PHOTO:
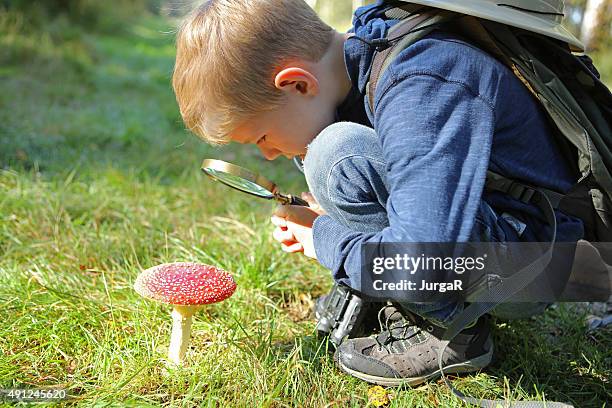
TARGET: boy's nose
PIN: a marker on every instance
(269, 154)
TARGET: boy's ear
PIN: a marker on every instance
(297, 80)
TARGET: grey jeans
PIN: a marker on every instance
(345, 171)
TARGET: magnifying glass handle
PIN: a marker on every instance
(288, 199)
(293, 200)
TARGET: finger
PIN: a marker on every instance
(308, 196)
(297, 247)
(290, 211)
(310, 199)
(279, 222)
(281, 211)
(283, 236)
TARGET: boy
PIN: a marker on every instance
(410, 168)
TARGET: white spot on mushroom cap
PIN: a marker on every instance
(185, 283)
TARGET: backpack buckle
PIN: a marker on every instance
(380, 44)
(521, 192)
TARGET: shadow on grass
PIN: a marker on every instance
(553, 353)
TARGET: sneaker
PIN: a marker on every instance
(406, 350)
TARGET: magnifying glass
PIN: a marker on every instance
(248, 182)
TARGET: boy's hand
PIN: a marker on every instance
(294, 229)
(313, 203)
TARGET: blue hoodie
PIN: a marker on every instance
(445, 112)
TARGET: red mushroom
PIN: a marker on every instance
(187, 287)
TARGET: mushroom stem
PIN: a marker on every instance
(181, 332)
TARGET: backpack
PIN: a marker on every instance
(568, 87)
(578, 105)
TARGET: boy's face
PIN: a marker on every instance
(288, 130)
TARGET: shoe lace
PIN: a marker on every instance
(393, 330)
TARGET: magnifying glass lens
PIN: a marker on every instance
(246, 181)
(239, 183)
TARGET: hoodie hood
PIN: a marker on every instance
(369, 23)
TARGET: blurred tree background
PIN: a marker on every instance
(85, 13)
(591, 20)
(65, 46)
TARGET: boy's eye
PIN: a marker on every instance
(263, 138)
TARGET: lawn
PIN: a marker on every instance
(99, 180)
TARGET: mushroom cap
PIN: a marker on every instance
(185, 283)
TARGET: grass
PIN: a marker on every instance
(99, 180)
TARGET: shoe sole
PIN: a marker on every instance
(468, 366)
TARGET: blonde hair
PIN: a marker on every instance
(227, 52)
